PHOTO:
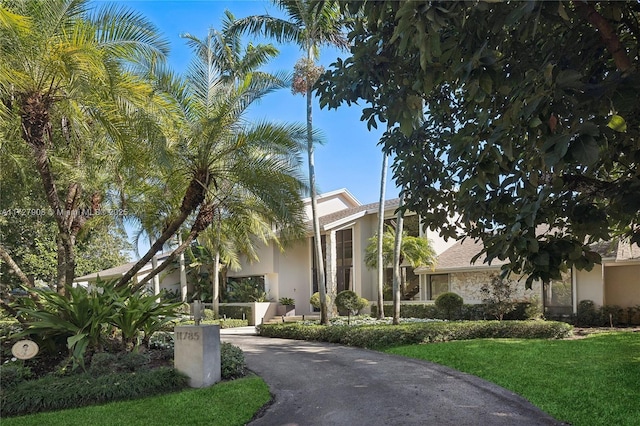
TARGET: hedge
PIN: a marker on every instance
(56, 393)
(381, 336)
(467, 312)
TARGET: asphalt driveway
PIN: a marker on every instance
(325, 384)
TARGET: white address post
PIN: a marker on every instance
(197, 353)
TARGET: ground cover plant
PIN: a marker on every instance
(225, 404)
(384, 335)
(591, 381)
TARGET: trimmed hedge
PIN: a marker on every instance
(467, 312)
(56, 393)
(381, 336)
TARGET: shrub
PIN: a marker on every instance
(498, 297)
(123, 362)
(236, 312)
(78, 390)
(449, 303)
(380, 336)
(315, 300)
(587, 314)
(12, 374)
(232, 363)
(349, 301)
(287, 301)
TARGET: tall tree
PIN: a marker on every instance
(224, 159)
(397, 248)
(379, 245)
(67, 80)
(532, 120)
(310, 25)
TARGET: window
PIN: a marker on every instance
(436, 285)
(344, 259)
(558, 296)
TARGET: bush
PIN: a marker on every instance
(235, 312)
(232, 362)
(350, 302)
(315, 300)
(12, 374)
(123, 362)
(78, 390)
(449, 303)
(498, 297)
(380, 336)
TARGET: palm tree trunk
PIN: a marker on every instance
(193, 197)
(322, 289)
(396, 262)
(216, 285)
(204, 219)
(383, 184)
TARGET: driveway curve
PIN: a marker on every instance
(325, 384)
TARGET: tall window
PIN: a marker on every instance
(558, 296)
(436, 285)
(344, 259)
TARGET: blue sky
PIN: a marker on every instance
(350, 158)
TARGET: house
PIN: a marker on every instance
(346, 226)
(615, 282)
(173, 279)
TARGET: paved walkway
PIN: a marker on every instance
(325, 384)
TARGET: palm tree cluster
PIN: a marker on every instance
(89, 102)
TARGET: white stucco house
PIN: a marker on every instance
(346, 226)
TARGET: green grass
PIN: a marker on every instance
(592, 381)
(224, 404)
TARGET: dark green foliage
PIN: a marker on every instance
(523, 311)
(590, 315)
(232, 362)
(236, 312)
(449, 303)
(103, 363)
(350, 302)
(380, 336)
(498, 296)
(13, 374)
(532, 120)
(78, 390)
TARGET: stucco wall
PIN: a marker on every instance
(265, 265)
(294, 275)
(468, 284)
(589, 285)
(622, 285)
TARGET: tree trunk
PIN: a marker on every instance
(6, 257)
(396, 262)
(183, 273)
(383, 185)
(324, 311)
(204, 219)
(216, 285)
(192, 199)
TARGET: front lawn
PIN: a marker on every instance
(591, 381)
(225, 404)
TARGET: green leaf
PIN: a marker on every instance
(585, 150)
(617, 123)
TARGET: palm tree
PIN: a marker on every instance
(416, 251)
(223, 159)
(67, 75)
(309, 25)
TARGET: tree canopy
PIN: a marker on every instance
(518, 119)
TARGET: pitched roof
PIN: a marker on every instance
(119, 271)
(459, 255)
(354, 213)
